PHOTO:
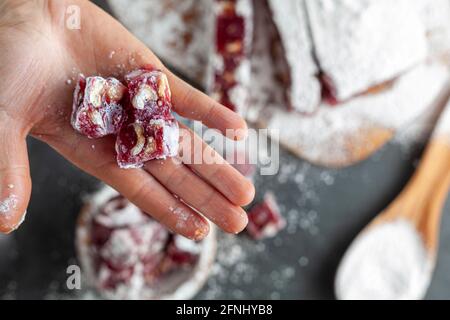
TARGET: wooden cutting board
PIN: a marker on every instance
(339, 136)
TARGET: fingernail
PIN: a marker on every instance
(22, 220)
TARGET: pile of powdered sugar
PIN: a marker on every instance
(388, 261)
(363, 43)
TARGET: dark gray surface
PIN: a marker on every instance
(34, 259)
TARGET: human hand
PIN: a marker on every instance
(39, 54)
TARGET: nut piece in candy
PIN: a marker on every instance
(264, 219)
(151, 131)
(97, 109)
(144, 95)
(138, 143)
(150, 95)
(140, 114)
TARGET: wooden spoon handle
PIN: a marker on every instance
(422, 200)
(435, 176)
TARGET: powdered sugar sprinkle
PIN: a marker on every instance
(8, 204)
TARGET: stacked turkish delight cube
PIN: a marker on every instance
(130, 253)
(139, 113)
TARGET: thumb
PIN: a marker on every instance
(15, 181)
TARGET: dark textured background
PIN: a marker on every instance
(33, 260)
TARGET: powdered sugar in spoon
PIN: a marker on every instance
(394, 256)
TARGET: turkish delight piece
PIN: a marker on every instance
(97, 109)
(130, 249)
(230, 69)
(361, 44)
(125, 254)
(180, 253)
(151, 131)
(293, 44)
(265, 219)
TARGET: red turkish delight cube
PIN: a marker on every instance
(97, 109)
(151, 131)
(265, 219)
(138, 143)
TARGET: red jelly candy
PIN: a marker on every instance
(264, 219)
(123, 238)
(97, 109)
(151, 131)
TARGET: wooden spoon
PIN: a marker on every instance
(420, 204)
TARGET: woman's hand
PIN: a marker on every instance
(40, 58)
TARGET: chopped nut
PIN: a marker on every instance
(97, 86)
(151, 145)
(140, 139)
(234, 47)
(163, 86)
(144, 95)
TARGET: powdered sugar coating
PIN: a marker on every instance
(116, 215)
(151, 131)
(363, 43)
(291, 20)
(97, 109)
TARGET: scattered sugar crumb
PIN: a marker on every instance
(8, 204)
(303, 261)
(10, 292)
(231, 267)
(10, 186)
(111, 54)
(327, 178)
(275, 295)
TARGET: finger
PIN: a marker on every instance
(97, 157)
(194, 104)
(209, 165)
(15, 181)
(180, 180)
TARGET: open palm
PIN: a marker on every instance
(40, 58)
